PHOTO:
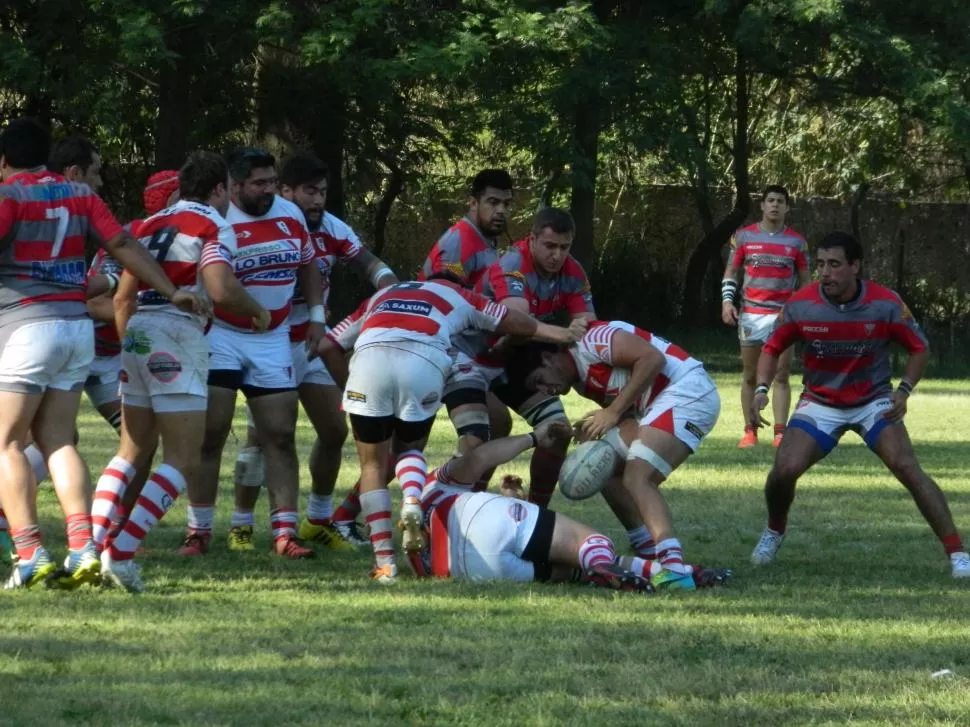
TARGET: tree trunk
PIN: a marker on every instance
(395, 185)
(582, 204)
(858, 197)
(329, 135)
(707, 253)
(175, 103)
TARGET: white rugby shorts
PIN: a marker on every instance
(165, 363)
(487, 535)
(688, 408)
(393, 380)
(754, 328)
(465, 373)
(47, 354)
(309, 372)
(102, 385)
(265, 359)
(827, 424)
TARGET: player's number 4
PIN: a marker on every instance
(63, 218)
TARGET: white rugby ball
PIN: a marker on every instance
(587, 469)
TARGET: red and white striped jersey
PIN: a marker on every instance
(438, 499)
(266, 254)
(429, 313)
(601, 381)
(184, 238)
(334, 242)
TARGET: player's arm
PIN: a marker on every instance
(803, 265)
(730, 284)
(470, 467)
(335, 359)
(516, 323)
(101, 308)
(784, 335)
(904, 330)
(372, 268)
(311, 283)
(579, 297)
(644, 361)
(125, 302)
(229, 294)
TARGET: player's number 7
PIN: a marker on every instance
(63, 217)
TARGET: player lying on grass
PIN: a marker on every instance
(482, 536)
(847, 324)
(628, 372)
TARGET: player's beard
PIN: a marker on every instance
(314, 218)
(258, 206)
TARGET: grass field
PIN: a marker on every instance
(845, 628)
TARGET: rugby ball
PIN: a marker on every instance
(587, 469)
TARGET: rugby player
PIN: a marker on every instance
(47, 343)
(774, 260)
(303, 180)
(401, 338)
(166, 358)
(272, 251)
(847, 325)
(466, 250)
(481, 536)
(630, 372)
(539, 277)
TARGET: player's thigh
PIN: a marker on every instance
(139, 435)
(55, 421)
(682, 415)
(654, 455)
(321, 402)
(17, 411)
(798, 452)
(894, 447)
(274, 414)
(567, 537)
(218, 417)
(750, 353)
(499, 418)
(182, 433)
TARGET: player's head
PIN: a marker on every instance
(161, 191)
(445, 276)
(838, 259)
(553, 375)
(254, 181)
(490, 201)
(24, 144)
(303, 181)
(551, 239)
(205, 178)
(77, 160)
(774, 203)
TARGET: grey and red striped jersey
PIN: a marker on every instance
(464, 250)
(846, 345)
(45, 222)
(771, 262)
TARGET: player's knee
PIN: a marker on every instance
(645, 464)
(784, 473)
(472, 423)
(906, 469)
(781, 377)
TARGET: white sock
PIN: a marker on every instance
(319, 508)
(200, 517)
(241, 518)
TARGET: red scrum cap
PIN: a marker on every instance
(158, 189)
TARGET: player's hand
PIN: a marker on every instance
(261, 321)
(758, 404)
(598, 423)
(315, 334)
(898, 409)
(192, 303)
(577, 327)
(729, 314)
(553, 432)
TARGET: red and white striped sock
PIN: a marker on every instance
(350, 508)
(642, 542)
(158, 495)
(78, 528)
(319, 509)
(107, 497)
(596, 550)
(412, 472)
(670, 553)
(283, 522)
(376, 506)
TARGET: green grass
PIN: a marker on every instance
(846, 628)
